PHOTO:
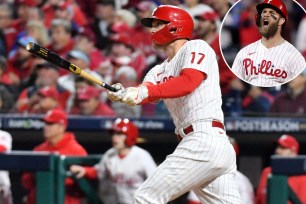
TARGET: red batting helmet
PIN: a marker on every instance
(179, 24)
(278, 5)
(128, 128)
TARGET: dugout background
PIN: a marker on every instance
(255, 147)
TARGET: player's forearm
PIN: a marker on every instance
(184, 84)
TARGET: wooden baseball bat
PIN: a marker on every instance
(55, 59)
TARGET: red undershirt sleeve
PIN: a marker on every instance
(91, 172)
(188, 80)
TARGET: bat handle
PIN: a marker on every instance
(108, 87)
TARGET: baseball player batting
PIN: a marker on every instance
(188, 83)
(272, 60)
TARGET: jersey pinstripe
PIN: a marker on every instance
(267, 67)
(205, 102)
(204, 160)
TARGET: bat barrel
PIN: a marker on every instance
(48, 55)
(32, 47)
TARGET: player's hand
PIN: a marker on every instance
(116, 96)
(78, 171)
(135, 95)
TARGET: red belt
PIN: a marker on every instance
(189, 128)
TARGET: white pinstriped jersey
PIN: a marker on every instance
(204, 103)
(120, 177)
(245, 189)
(266, 67)
(5, 141)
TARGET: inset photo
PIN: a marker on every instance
(264, 41)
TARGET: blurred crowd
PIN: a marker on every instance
(105, 38)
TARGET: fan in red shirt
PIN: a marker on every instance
(85, 41)
(124, 52)
(24, 10)
(8, 31)
(61, 142)
(287, 146)
(48, 99)
(20, 62)
(46, 76)
(88, 103)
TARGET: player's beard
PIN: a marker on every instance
(268, 31)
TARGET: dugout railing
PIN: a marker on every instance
(279, 191)
(50, 172)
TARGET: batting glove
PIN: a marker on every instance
(118, 95)
(135, 95)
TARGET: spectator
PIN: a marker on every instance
(6, 100)
(245, 187)
(9, 33)
(46, 74)
(24, 10)
(5, 79)
(301, 36)
(287, 146)
(20, 62)
(126, 17)
(5, 183)
(123, 168)
(221, 6)
(38, 31)
(127, 77)
(257, 101)
(293, 99)
(61, 39)
(47, 100)
(88, 103)
(80, 59)
(142, 34)
(81, 83)
(57, 140)
(248, 31)
(104, 18)
(85, 41)
(195, 7)
(64, 10)
(124, 52)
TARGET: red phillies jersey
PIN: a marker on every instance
(66, 146)
(297, 183)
